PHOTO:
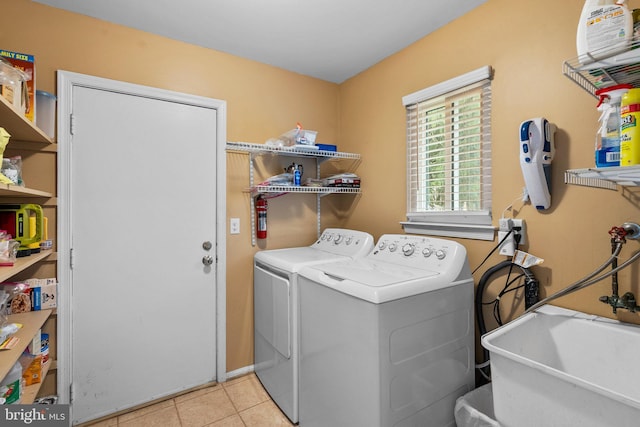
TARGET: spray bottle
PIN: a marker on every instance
(607, 151)
(605, 26)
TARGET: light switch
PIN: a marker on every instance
(234, 226)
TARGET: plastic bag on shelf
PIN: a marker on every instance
(4, 299)
(297, 136)
(8, 294)
(4, 140)
(12, 169)
(287, 139)
(279, 180)
(11, 290)
(8, 249)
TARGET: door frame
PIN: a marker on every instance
(66, 81)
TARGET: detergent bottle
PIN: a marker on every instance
(607, 151)
(605, 27)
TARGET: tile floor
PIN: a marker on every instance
(240, 402)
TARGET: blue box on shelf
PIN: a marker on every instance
(326, 147)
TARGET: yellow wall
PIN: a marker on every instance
(525, 42)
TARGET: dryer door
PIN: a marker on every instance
(272, 316)
(274, 345)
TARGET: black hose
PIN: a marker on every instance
(482, 284)
(479, 292)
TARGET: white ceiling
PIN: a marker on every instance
(331, 40)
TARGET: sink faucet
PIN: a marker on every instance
(626, 301)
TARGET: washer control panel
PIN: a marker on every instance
(418, 251)
(345, 242)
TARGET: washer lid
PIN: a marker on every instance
(373, 273)
(374, 281)
(293, 259)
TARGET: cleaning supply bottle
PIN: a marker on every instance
(629, 130)
(607, 152)
(605, 26)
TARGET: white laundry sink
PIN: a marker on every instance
(558, 367)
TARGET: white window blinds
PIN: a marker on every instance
(449, 155)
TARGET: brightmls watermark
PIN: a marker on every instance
(35, 415)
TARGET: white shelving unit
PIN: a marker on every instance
(603, 69)
(255, 150)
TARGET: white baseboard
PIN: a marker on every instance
(240, 372)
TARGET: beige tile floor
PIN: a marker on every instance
(241, 402)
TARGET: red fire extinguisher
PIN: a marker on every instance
(261, 217)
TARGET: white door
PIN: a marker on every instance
(142, 191)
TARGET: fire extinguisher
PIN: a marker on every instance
(261, 217)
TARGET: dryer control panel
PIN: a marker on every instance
(420, 252)
(341, 241)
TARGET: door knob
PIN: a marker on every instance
(207, 245)
(207, 260)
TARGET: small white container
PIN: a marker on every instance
(46, 112)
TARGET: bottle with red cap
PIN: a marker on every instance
(607, 150)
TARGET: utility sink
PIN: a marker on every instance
(562, 368)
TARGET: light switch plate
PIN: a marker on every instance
(234, 226)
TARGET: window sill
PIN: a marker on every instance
(464, 231)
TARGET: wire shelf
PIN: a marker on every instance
(248, 147)
(605, 67)
(302, 189)
(607, 178)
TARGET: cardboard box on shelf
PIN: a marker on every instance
(39, 294)
(44, 293)
(26, 63)
(343, 180)
(31, 368)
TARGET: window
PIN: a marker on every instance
(449, 158)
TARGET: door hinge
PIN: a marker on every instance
(71, 258)
(71, 393)
(72, 124)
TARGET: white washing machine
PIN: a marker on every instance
(388, 339)
(275, 276)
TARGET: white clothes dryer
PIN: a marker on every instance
(388, 339)
(276, 321)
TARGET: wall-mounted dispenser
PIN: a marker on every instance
(537, 148)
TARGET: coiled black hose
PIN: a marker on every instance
(482, 284)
